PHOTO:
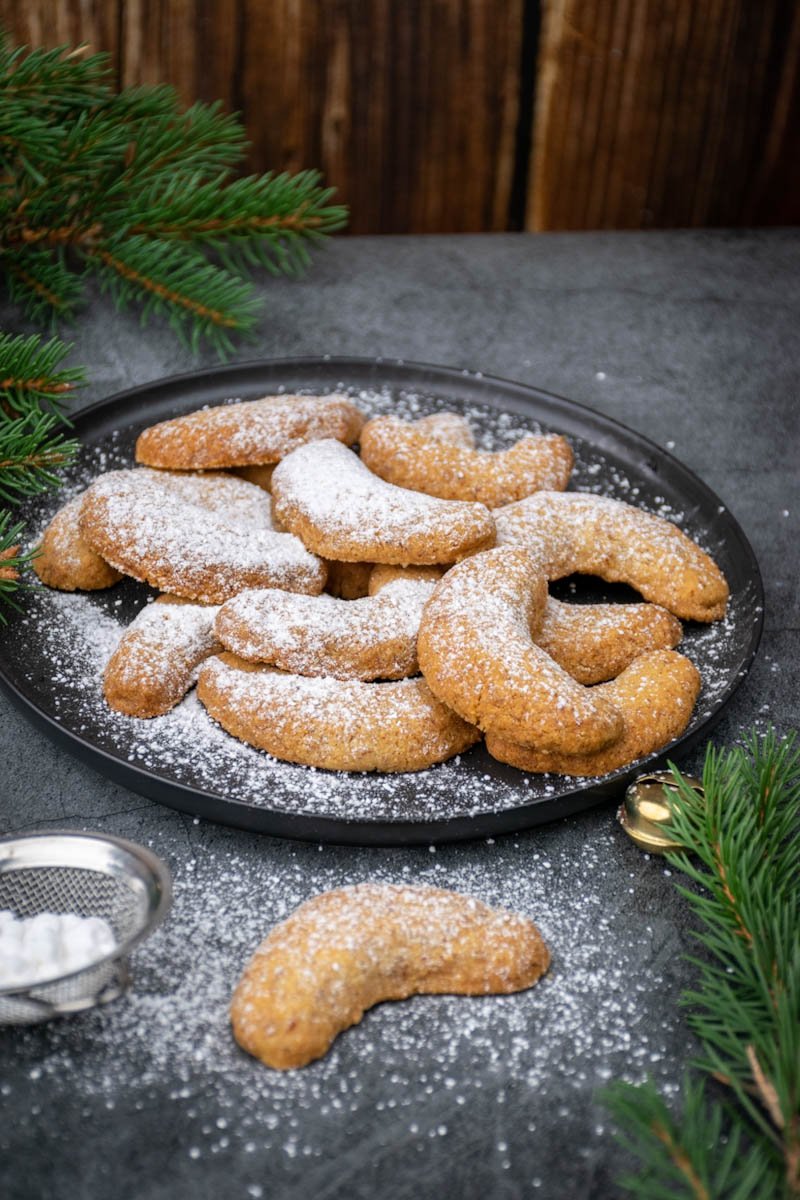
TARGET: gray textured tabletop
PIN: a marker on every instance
(692, 340)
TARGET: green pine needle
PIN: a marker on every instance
(702, 1157)
(742, 856)
(31, 454)
(31, 373)
(175, 281)
(32, 447)
(13, 562)
(133, 187)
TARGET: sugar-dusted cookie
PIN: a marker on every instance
(594, 642)
(340, 509)
(371, 638)
(204, 537)
(477, 653)
(655, 694)
(66, 560)
(248, 433)
(442, 426)
(333, 723)
(157, 658)
(595, 535)
(343, 951)
(383, 574)
(448, 427)
(404, 454)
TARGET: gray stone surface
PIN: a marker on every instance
(689, 338)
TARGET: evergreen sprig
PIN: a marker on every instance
(33, 447)
(132, 188)
(741, 850)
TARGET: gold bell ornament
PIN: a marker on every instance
(645, 811)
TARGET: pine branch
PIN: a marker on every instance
(53, 80)
(30, 455)
(12, 562)
(31, 373)
(745, 1008)
(198, 299)
(142, 192)
(32, 448)
(42, 285)
(704, 1157)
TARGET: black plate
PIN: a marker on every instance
(51, 653)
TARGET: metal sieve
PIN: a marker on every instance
(90, 875)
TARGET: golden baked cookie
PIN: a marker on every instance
(343, 951)
(448, 427)
(340, 509)
(595, 535)
(157, 658)
(204, 537)
(409, 457)
(342, 725)
(477, 653)
(655, 694)
(383, 574)
(594, 642)
(248, 433)
(371, 638)
(66, 560)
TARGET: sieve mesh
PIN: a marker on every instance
(131, 892)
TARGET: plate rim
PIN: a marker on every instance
(383, 831)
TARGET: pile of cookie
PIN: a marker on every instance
(383, 608)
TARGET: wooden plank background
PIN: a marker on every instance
(462, 115)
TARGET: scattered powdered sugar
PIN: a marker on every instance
(57, 648)
(606, 1009)
(257, 431)
(198, 535)
(373, 637)
(330, 487)
(433, 1069)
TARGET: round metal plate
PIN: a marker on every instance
(473, 796)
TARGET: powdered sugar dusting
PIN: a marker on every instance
(371, 638)
(197, 535)
(328, 486)
(77, 634)
(415, 1064)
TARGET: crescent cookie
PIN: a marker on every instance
(205, 537)
(157, 658)
(448, 427)
(66, 560)
(340, 509)
(478, 655)
(655, 694)
(371, 638)
(405, 455)
(331, 723)
(343, 951)
(248, 433)
(594, 642)
(595, 535)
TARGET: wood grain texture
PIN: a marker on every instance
(645, 112)
(666, 113)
